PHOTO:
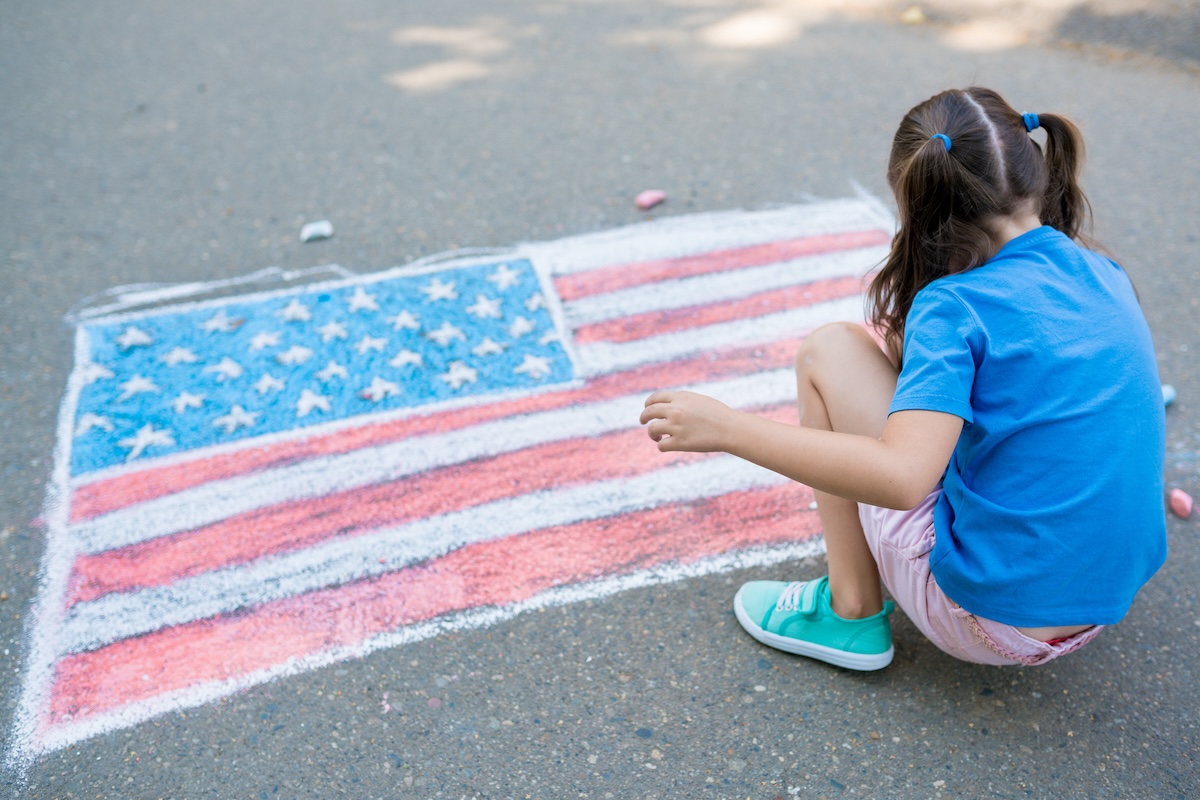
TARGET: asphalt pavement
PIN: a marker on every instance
(146, 143)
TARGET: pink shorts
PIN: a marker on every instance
(901, 542)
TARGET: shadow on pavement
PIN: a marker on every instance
(1173, 35)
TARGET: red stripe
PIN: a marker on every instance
(495, 573)
(640, 326)
(129, 489)
(293, 526)
(625, 276)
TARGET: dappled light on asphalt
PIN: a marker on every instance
(766, 27)
(477, 41)
(985, 35)
(439, 75)
(716, 31)
(464, 54)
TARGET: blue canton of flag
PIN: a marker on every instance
(175, 381)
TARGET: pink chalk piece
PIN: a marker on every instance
(649, 199)
(1181, 503)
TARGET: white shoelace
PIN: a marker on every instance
(790, 599)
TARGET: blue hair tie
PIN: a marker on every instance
(945, 140)
(1031, 122)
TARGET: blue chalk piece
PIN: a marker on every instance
(1168, 394)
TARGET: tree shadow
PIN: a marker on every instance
(1171, 34)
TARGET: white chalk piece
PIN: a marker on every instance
(1168, 394)
(649, 199)
(315, 231)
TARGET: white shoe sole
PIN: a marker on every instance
(839, 658)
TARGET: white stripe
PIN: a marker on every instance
(121, 615)
(316, 477)
(66, 733)
(675, 237)
(718, 286)
(601, 357)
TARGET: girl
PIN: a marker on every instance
(999, 463)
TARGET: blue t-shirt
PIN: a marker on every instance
(1052, 504)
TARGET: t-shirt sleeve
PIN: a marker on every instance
(941, 338)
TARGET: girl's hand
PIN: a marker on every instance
(688, 421)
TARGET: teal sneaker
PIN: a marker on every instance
(797, 618)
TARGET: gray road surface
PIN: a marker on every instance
(148, 142)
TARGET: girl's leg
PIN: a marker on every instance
(845, 383)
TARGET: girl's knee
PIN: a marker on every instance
(835, 342)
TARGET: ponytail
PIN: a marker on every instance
(1064, 206)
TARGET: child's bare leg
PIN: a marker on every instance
(845, 383)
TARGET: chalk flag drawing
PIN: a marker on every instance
(258, 485)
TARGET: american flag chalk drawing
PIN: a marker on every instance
(262, 484)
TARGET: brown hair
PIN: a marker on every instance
(946, 198)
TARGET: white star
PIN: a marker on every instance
(404, 320)
(459, 374)
(485, 307)
(179, 355)
(536, 367)
(294, 355)
(504, 277)
(548, 337)
(227, 370)
(89, 421)
(535, 302)
(310, 400)
(436, 290)
(370, 343)
(487, 348)
(405, 357)
(446, 334)
(332, 370)
(520, 326)
(380, 389)
(237, 417)
(187, 400)
(136, 385)
(268, 382)
(332, 330)
(221, 323)
(147, 436)
(264, 339)
(91, 372)
(134, 337)
(294, 312)
(361, 300)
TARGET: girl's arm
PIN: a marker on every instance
(898, 470)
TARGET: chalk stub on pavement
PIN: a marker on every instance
(315, 231)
